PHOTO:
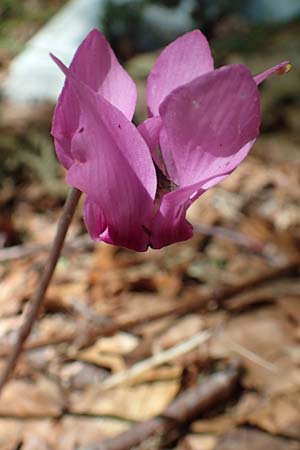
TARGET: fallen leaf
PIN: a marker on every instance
(280, 415)
(138, 402)
(197, 442)
(179, 331)
(74, 432)
(248, 439)
(40, 397)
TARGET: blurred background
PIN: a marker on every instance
(238, 275)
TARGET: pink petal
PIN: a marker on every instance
(113, 166)
(150, 130)
(281, 68)
(169, 224)
(96, 65)
(99, 231)
(94, 220)
(64, 125)
(180, 62)
(207, 123)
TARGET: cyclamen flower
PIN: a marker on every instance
(139, 182)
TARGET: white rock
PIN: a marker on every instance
(32, 75)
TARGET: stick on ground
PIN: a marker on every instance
(180, 309)
(215, 390)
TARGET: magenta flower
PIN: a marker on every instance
(140, 182)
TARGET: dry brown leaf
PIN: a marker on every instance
(219, 424)
(181, 330)
(280, 414)
(290, 305)
(197, 442)
(62, 294)
(67, 434)
(140, 305)
(10, 433)
(53, 326)
(231, 417)
(110, 361)
(9, 325)
(244, 268)
(38, 434)
(154, 327)
(74, 432)
(79, 375)
(119, 344)
(262, 339)
(248, 439)
(162, 373)
(40, 397)
(108, 351)
(139, 402)
(16, 286)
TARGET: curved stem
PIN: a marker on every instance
(38, 297)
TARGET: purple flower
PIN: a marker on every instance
(139, 182)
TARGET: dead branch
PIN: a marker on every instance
(217, 389)
(27, 250)
(235, 236)
(180, 309)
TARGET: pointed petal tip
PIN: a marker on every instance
(59, 63)
(94, 34)
(285, 68)
(279, 69)
(95, 31)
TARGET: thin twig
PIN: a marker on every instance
(255, 358)
(157, 359)
(182, 308)
(26, 250)
(232, 235)
(215, 390)
(38, 297)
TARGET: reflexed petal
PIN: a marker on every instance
(207, 123)
(96, 65)
(282, 68)
(180, 62)
(113, 166)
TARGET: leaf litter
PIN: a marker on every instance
(59, 385)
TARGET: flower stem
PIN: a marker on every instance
(39, 295)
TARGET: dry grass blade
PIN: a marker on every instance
(157, 359)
